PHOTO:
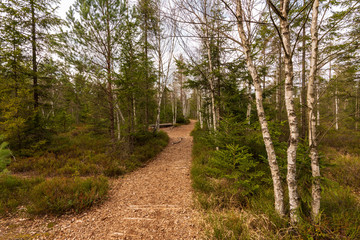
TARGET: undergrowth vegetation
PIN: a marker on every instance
(231, 176)
(54, 196)
(82, 152)
(72, 171)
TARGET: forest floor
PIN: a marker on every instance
(154, 202)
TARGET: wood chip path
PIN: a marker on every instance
(154, 202)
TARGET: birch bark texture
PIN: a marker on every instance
(315, 168)
(211, 68)
(290, 109)
(274, 168)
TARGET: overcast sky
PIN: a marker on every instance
(64, 7)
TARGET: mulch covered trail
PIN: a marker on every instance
(154, 202)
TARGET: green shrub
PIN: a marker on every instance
(5, 154)
(14, 192)
(114, 170)
(60, 195)
(220, 177)
(182, 120)
(235, 165)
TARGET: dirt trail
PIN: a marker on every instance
(154, 202)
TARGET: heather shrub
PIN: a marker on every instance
(60, 195)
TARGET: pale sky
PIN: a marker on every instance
(64, 7)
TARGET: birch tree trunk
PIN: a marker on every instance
(318, 103)
(120, 117)
(34, 56)
(210, 120)
(315, 168)
(211, 76)
(199, 104)
(274, 168)
(336, 107)
(248, 111)
(357, 107)
(336, 99)
(174, 106)
(158, 110)
(290, 109)
(303, 79)
(118, 126)
(278, 89)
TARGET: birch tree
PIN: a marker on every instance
(284, 35)
(316, 189)
(274, 168)
(97, 32)
(164, 50)
(204, 19)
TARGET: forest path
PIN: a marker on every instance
(154, 202)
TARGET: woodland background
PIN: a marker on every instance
(274, 86)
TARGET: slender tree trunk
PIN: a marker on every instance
(274, 168)
(134, 109)
(199, 107)
(318, 103)
(248, 111)
(336, 103)
(290, 108)
(147, 87)
(109, 77)
(303, 80)
(34, 56)
(210, 120)
(212, 89)
(315, 168)
(118, 126)
(357, 107)
(264, 64)
(211, 77)
(278, 90)
(174, 106)
(161, 88)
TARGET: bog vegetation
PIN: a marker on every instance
(77, 98)
(274, 86)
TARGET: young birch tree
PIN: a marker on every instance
(200, 16)
(246, 46)
(97, 32)
(316, 188)
(284, 34)
(165, 46)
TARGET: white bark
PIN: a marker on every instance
(118, 125)
(163, 45)
(211, 75)
(336, 99)
(278, 89)
(210, 119)
(174, 106)
(274, 168)
(318, 104)
(199, 109)
(336, 109)
(120, 117)
(290, 109)
(248, 111)
(357, 107)
(315, 168)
